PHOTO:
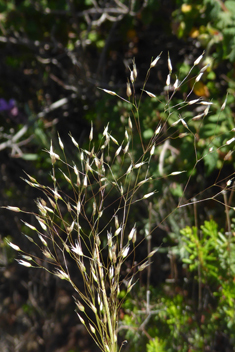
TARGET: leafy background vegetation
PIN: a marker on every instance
(54, 55)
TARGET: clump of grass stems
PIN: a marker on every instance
(80, 233)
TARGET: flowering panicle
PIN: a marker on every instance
(78, 225)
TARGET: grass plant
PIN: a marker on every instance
(77, 224)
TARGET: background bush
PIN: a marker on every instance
(54, 55)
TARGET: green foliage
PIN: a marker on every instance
(210, 249)
(155, 345)
(199, 307)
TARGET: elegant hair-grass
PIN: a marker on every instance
(80, 234)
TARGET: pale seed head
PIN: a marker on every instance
(199, 77)
(106, 130)
(30, 226)
(206, 103)
(91, 133)
(197, 61)
(85, 181)
(151, 95)
(158, 130)
(94, 208)
(93, 308)
(14, 246)
(41, 207)
(148, 195)
(224, 103)
(126, 135)
(129, 170)
(118, 150)
(203, 69)
(97, 240)
(15, 209)
(152, 150)
(47, 254)
(153, 252)
(137, 166)
(108, 91)
(109, 238)
(69, 229)
(81, 319)
(74, 142)
(176, 173)
(100, 213)
(206, 110)
(24, 263)
(197, 117)
(119, 229)
(114, 256)
(125, 251)
(60, 143)
(143, 266)
(132, 77)
(168, 80)
(176, 84)
(111, 272)
(134, 71)
(116, 221)
(75, 170)
(230, 141)
(82, 266)
(144, 181)
(94, 276)
(53, 155)
(191, 102)
(169, 63)
(56, 194)
(42, 240)
(92, 329)
(69, 207)
(42, 223)
(79, 305)
(77, 248)
(125, 150)
(113, 139)
(132, 234)
(154, 62)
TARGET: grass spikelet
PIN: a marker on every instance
(128, 89)
(155, 61)
(14, 209)
(14, 246)
(224, 103)
(169, 64)
(24, 263)
(198, 60)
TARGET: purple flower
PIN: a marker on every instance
(12, 110)
(7, 106)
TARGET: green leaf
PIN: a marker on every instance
(230, 6)
(176, 190)
(147, 134)
(217, 118)
(208, 130)
(30, 156)
(42, 136)
(210, 161)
